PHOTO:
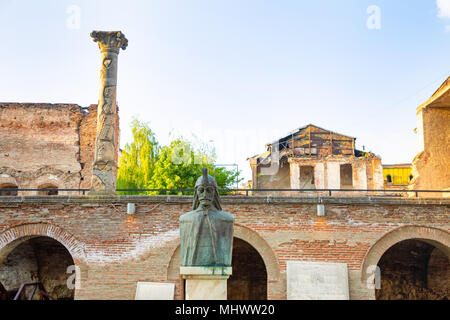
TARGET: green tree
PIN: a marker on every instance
(146, 165)
(137, 163)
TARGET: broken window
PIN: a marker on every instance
(307, 177)
(11, 192)
(388, 178)
(346, 176)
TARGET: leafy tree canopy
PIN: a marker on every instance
(145, 164)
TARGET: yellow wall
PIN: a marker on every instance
(398, 175)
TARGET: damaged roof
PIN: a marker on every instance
(305, 127)
(312, 140)
(440, 98)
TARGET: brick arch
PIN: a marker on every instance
(173, 268)
(46, 180)
(13, 237)
(436, 237)
(8, 180)
(263, 248)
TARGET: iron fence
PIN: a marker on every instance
(236, 192)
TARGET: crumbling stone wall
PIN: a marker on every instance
(430, 168)
(88, 131)
(366, 173)
(47, 144)
(280, 180)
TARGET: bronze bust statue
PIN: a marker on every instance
(206, 232)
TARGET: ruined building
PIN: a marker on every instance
(315, 158)
(46, 146)
(431, 166)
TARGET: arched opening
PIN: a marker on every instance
(52, 190)
(251, 256)
(11, 192)
(249, 278)
(414, 270)
(37, 259)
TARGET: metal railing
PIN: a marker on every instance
(21, 293)
(237, 192)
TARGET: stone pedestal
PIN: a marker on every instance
(205, 283)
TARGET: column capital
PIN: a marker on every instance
(110, 40)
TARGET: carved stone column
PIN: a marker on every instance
(104, 167)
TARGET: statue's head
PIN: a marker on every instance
(206, 192)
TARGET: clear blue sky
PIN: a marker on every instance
(239, 73)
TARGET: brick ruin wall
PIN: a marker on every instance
(115, 250)
(47, 144)
(430, 168)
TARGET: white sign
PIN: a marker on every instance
(317, 281)
(155, 291)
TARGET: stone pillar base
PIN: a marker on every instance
(205, 283)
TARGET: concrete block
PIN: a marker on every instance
(155, 291)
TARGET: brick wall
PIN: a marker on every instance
(115, 250)
(42, 144)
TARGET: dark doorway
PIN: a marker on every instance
(38, 260)
(249, 278)
(346, 176)
(11, 192)
(307, 177)
(414, 270)
(52, 190)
